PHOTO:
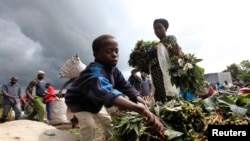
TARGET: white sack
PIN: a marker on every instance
(59, 112)
(72, 67)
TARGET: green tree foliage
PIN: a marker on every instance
(241, 70)
(245, 71)
(234, 69)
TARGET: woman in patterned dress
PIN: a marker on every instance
(160, 62)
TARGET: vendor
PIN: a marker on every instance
(206, 91)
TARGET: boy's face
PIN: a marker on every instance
(108, 53)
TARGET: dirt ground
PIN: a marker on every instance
(75, 131)
(27, 130)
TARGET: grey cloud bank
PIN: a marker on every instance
(43, 34)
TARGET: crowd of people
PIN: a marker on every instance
(142, 83)
(37, 93)
(102, 85)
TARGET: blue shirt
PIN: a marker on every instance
(40, 87)
(14, 90)
(146, 86)
(97, 86)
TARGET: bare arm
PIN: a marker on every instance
(141, 100)
(151, 118)
(31, 85)
(64, 86)
(29, 94)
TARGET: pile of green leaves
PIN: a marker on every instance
(238, 104)
(225, 109)
(185, 117)
(182, 120)
(127, 126)
(131, 126)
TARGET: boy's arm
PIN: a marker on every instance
(65, 85)
(123, 103)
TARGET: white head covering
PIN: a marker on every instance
(40, 72)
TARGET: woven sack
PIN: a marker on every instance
(72, 67)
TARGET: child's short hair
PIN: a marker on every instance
(98, 42)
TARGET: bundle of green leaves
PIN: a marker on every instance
(184, 71)
(182, 120)
(139, 57)
(186, 74)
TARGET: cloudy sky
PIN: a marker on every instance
(43, 34)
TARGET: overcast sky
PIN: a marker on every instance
(43, 34)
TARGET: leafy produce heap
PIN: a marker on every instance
(184, 120)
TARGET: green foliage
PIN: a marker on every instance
(126, 128)
(241, 70)
(139, 57)
(234, 69)
(187, 78)
(181, 121)
(233, 103)
(184, 120)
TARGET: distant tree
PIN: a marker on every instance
(245, 70)
(241, 70)
(234, 69)
(245, 65)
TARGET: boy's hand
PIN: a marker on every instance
(152, 119)
(144, 102)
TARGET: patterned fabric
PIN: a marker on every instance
(157, 78)
(156, 71)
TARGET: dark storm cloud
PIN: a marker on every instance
(43, 34)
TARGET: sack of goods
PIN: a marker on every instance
(59, 112)
(72, 67)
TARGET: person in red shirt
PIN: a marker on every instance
(210, 90)
(49, 98)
